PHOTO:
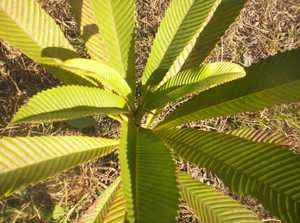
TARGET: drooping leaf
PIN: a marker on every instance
(194, 80)
(109, 207)
(275, 80)
(98, 72)
(89, 30)
(268, 172)
(25, 160)
(26, 26)
(211, 205)
(116, 19)
(184, 20)
(223, 17)
(148, 177)
(262, 136)
(69, 102)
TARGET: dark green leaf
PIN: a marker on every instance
(268, 172)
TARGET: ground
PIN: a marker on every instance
(264, 28)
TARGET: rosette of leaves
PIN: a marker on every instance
(149, 186)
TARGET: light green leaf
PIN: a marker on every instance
(194, 81)
(98, 72)
(116, 19)
(275, 80)
(69, 102)
(26, 26)
(149, 177)
(89, 30)
(109, 207)
(223, 17)
(117, 210)
(69, 76)
(184, 20)
(58, 213)
(25, 160)
(268, 172)
(211, 205)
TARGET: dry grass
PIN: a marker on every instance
(264, 28)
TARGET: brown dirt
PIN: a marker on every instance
(264, 28)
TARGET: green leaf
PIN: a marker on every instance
(275, 80)
(89, 30)
(268, 172)
(25, 160)
(58, 213)
(194, 80)
(82, 123)
(201, 45)
(148, 175)
(265, 136)
(26, 26)
(117, 21)
(211, 205)
(223, 17)
(127, 156)
(117, 210)
(184, 20)
(109, 207)
(98, 72)
(69, 102)
(69, 76)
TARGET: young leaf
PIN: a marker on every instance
(69, 102)
(275, 80)
(211, 205)
(183, 20)
(26, 26)
(89, 30)
(25, 160)
(194, 80)
(116, 20)
(109, 207)
(268, 172)
(148, 196)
